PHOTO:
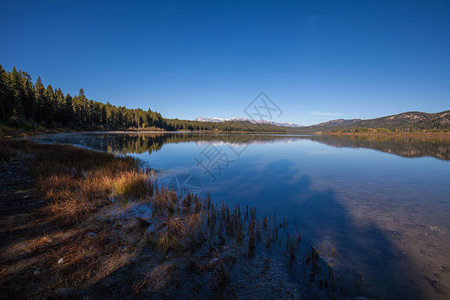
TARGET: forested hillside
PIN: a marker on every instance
(408, 121)
(405, 122)
(401, 123)
(27, 104)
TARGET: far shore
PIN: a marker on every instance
(7, 131)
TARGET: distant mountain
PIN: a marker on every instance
(408, 121)
(411, 120)
(218, 120)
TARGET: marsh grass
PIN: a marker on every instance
(132, 185)
(78, 181)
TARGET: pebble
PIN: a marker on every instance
(61, 260)
(37, 272)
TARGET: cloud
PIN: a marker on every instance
(319, 113)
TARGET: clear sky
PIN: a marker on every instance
(318, 60)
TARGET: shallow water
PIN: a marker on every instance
(382, 203)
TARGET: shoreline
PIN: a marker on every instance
(8, 132)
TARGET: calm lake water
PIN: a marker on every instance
(383, 203)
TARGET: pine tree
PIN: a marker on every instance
(28, 96)
(68, 110)
(59, 106)
(49, 104)
(17, 96)
(39, 92)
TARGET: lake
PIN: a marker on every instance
(379, 205)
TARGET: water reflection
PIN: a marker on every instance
(437, 146)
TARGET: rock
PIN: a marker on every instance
(361, 298)
(439, 287)
(26, 196)
(37, 272)
(64, 292)
(61, 260)
(91, 234)
(214, 261)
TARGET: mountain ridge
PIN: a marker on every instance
(238, 119)
(406, 121)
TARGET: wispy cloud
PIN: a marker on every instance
(319, 113)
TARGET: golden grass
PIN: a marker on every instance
(70, 195)
(133, 185)
(78, 181)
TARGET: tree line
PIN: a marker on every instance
(24, 103)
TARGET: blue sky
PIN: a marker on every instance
(318, 60)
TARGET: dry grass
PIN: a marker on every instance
(132, 185)
(178, 234)
(78, 181)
